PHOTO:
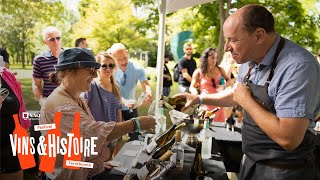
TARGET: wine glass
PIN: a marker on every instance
(154, 112)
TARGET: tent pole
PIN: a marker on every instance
(161, 48)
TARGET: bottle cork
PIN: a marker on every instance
(178, 136)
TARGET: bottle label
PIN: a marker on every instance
(143, 172)
(150, 147)
(173, 158)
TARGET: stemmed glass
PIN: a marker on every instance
(154, 112)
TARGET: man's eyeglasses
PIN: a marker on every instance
(123, 79)
(52, 39)
(188, 48)
(105, 66)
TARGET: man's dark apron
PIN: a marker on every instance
(265, 159)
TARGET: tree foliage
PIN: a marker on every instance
(108, 22)
(293, 20)
(20, 23)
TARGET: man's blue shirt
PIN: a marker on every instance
(295, 86)
(134, 73)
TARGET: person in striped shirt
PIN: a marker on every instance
(44, 63)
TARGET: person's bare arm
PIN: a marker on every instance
(37, 88)
(223, 99)
(186, 75)
(195, 82)
(119, 115)
(122, 128)
(287, 132)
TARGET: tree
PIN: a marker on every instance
(108, 22)
(205, 21)
(18, 21)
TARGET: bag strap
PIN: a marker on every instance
(100, 97)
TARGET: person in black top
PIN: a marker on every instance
(10, 105)
(167, 79)
(187, 66)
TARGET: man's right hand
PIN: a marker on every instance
(190, 98)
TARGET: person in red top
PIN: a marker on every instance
(206, 79)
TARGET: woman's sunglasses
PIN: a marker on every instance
(105, 66)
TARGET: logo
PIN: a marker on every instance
(35, 116)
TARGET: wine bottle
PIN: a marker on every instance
(73, 156)
(25, 157)
(147, 168)
(178, 152)
(197, 168)
(207, 141)
(163, 171)
(163, 138)
(177, 103)
(175, 130)
(47, 162)
(159, 140)
(161, 150)
(161, 122)
(210, 113)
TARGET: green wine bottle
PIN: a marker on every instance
(176, 103)
(160, 140)
(161, 150)
(197, 168)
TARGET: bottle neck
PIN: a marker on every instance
(206, 124)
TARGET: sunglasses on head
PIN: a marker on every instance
(105, 66)
(52, 39)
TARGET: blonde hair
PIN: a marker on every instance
(115, 87)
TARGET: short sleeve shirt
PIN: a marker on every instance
(190, 65)
(134, 73)
(111, 103)
(43, 65)
(295, 86)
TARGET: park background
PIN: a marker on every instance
(135, 23)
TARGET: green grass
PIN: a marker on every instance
(19, 66)
(29, 99)
(32, 104)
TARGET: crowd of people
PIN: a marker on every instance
(273, 92)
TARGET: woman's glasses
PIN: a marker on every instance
(105, 66)
(52, 39)
(92, 70)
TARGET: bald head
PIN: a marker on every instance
(120, 54)
(249, 33)
(254, 16)
(116, 47)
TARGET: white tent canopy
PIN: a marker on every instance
(165, 7)
(174, 5)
